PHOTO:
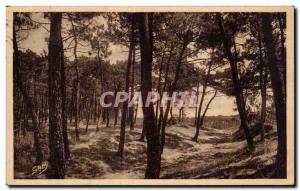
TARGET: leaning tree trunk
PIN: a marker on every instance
(125, 104)
(149, 123)
(56, 139)
(161, 110)
(172, 88)
(236, 83)
(206, 108)
(198, 125)
(27, 100)
(280, 104)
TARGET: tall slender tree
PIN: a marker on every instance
(187, 37)
(77, 80)
(277, 86)
(64, 103)
(125, 104)
(236, 82)
(198, 124)
(56, 138)
(149, 122)
(263, 75)
(131, 109)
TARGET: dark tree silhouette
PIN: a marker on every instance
(277, 86)
(236, 83)
(27, 99)
(149, 122)
(56, 139)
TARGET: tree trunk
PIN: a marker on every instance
(116, 109)
(282, 48)
(236, 83)
(107, 117)
(56, 139)
(71, 104)
(161, 110)
(77, 103)
(198, 125)
(99, 119)
(77, 86)
(171, 90)
(182, 114)
(24, 127)
(27, 100)
(87, 116)
(142, 138)
(131, 109)
(35, 98)
(103, 115)
(64, 104)
(196, 109)
(159, 85)
(149, 123)
(263, 86)
(46, 108)
(95, 105)
(135, 113)
(125, 104)
(280, 104)
(206, 108)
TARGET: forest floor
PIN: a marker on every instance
(216, 155)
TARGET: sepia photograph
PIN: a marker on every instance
(150, 95)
